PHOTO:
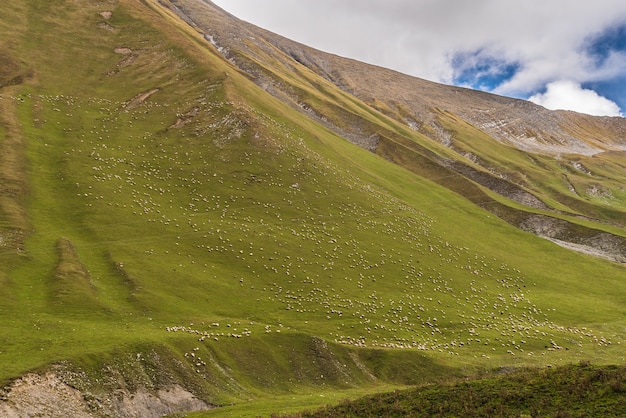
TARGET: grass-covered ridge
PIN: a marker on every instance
(153, 198)
(564, 391)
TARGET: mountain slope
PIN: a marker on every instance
(166, 223)
(558, 165)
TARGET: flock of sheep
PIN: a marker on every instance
(310, 253)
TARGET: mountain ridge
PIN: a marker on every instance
(436, 112)
(371, 82)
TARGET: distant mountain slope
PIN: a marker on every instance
(516, 122)
(559, 165)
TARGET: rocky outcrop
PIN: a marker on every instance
(577, 238)
(50, 395)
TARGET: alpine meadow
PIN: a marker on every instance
(198, 216)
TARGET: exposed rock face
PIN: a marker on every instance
(44, 396)
(146, 404)
(563, 233)
(47, 395)
(544, 226)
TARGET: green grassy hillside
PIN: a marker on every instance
(567, 188)
(155, 200)
(565, 391)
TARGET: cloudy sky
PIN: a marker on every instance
(560, 54)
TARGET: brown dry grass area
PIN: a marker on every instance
(10, 70)
(69, 267)
(13, 175)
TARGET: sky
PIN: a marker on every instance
(559, 54)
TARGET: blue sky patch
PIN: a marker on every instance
(613, 89)
(601, 45)
(482, 70)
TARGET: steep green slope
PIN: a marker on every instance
(154, 200)
(567, 188)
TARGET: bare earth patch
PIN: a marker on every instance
(47, 396)
(586, 249)
(139, 99)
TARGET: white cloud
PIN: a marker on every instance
(420, 37)
(569, 95)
